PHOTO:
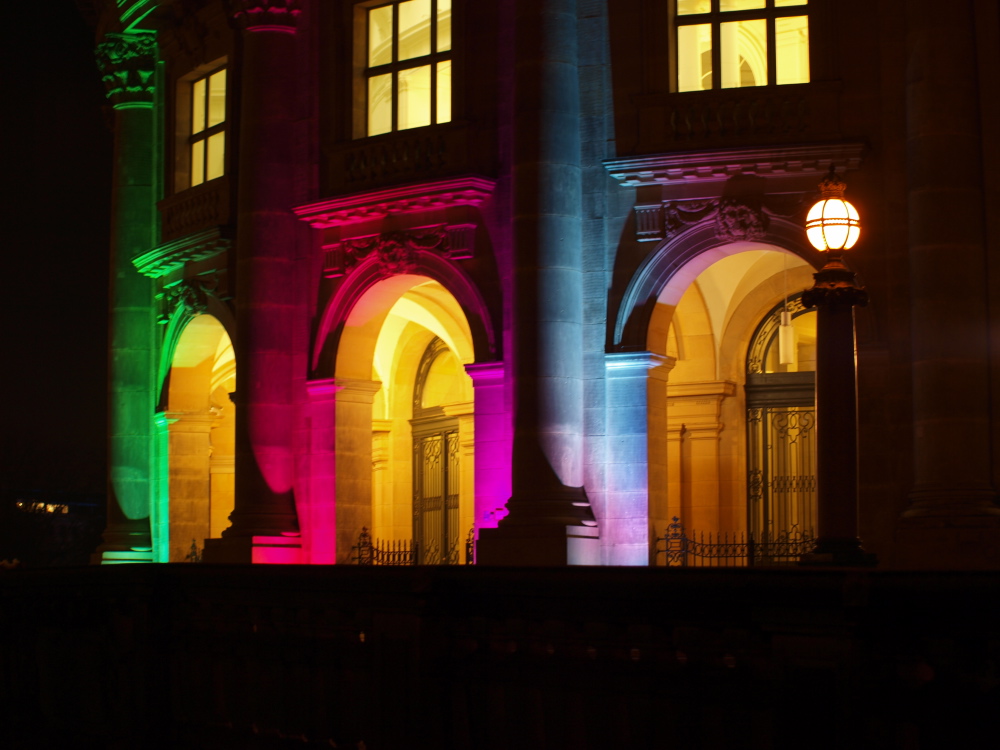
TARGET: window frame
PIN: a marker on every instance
(363, 73)
(186, 138)
(716, 17)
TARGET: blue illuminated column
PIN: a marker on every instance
(550, 520)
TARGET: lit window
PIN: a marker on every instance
(207, 133)
(407, 67)
(749, 43)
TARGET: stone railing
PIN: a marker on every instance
(424, 154)
(195, 209)
(738, 116)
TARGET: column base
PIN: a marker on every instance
(539, 545)
(953, 507)
(839, 553)
(281, 550)
(123, 557)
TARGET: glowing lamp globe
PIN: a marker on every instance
(832, 224)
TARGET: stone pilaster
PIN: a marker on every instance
(950, 306)
(694, 414)
(634, 380)
(492, 443)
(128, 63)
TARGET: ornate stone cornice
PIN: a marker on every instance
(171, 256)
(266, 15)
(396, 252)
(127, 63)
(687, 167)
(377, 204)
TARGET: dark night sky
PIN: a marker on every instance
(56, 207)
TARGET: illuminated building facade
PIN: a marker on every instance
(518, 269)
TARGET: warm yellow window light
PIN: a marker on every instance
(833, 223)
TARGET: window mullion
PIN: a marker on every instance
(772, 52)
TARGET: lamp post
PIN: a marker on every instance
(833, 227)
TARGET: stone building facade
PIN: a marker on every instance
(514, 271)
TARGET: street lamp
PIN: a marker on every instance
(833, 227)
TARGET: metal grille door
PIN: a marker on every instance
(782, 471)
(435, 497)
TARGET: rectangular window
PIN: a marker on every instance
(748, 42)
(407, 68)
(206, 142)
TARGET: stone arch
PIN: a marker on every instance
(669, 270)
(380, 339)
(201, 419)
(483, 325)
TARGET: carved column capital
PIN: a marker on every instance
(127, 63)
(266, 15)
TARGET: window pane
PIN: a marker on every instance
(217, 98)
(687, 7)
(197, 163)
(694, 57)
(791, 41)
(725, 5)
(380, 36)
(198, 106)
(444, 26)
(414, 97)
(380, 104)
(744, 53)
(215, 163)
(785, 3)
(444, 91)
(414, 29)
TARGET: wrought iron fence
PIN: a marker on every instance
(731, 549)
(369, 551)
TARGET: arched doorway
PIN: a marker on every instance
(201, 422)
(781, 424)
(403, 385)
(704, 324)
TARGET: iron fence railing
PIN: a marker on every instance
(731, 549)
(369, 551)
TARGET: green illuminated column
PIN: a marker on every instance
(127, 63)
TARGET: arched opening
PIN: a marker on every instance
(781, 424)
(707, 318)
(201, 419)
(405, 424)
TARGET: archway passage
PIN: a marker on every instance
(405, 422)
(706, 321)
(201, 419)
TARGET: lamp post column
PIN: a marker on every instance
(835, 295)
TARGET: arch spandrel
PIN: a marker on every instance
(669, 270)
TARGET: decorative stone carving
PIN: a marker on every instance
(170, 256)
(189, 295)
(396, 252)
(266, 15)
(678, 215)
(127, 63)
(736, 220)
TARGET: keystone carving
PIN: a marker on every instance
(397, 252)
(736, 220)
(265, 15)
(127, 63)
